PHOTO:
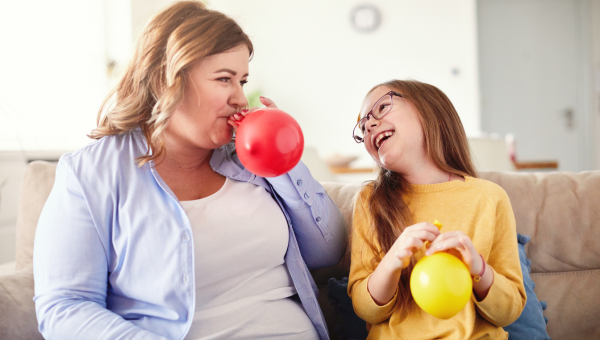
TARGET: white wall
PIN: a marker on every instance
(314, 65)
(51, 72)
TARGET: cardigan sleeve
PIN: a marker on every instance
(361, 268)
(315, 218)
(506, 297)
(71, 269)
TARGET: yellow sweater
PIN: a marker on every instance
(482, 210)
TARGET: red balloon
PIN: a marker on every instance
(269, 142)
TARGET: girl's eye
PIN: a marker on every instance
(382, 107)
(224, 79)
(243, 82)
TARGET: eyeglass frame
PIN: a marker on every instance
(391, 94)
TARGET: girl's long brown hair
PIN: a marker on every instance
(446, 143)
(154, 81)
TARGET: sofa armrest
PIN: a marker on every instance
(18, 321)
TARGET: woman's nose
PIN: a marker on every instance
(238, 98)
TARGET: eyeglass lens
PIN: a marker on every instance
(380, 109)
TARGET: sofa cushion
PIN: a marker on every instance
(573, 299)
(17, 309)
(37, 184)
(561, 213)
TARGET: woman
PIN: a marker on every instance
(156, 231)
(414, 134)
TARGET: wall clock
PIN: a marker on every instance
(365, 18)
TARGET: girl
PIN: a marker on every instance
(414, 134)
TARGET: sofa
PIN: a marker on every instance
(560, 211)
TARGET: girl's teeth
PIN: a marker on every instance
(381, 136)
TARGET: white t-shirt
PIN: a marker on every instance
(242, 283)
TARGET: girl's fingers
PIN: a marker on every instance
(421, 229)
(460, 245)
(404, 256)
(268, 102)
(443, 246)
(424, 235)
(424, 226)
(447, 235)
(458, 235)
(409, 246)
(411, 242)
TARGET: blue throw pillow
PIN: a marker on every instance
(532, 322)
(352, 327)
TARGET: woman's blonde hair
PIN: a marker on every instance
(154, 81)
(447, 146)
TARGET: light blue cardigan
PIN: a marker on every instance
(113, 255)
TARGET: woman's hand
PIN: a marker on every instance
(459, 245)
(409, 242)
(236, 118)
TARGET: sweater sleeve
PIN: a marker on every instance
(506, 297)
(361, 268)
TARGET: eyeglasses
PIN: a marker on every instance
(380, 109)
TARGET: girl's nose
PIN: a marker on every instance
(371, 123)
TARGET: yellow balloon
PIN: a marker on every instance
(441, 285)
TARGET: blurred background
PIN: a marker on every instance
(524, 75)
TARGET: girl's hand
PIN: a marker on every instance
(408, 243)
(460, 245)
(236, 118)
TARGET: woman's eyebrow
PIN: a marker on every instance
(232, 72)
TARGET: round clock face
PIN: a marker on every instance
(365, 18)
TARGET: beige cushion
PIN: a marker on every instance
(17, 309)
(37, 184)
(561, 213)
(572, 299)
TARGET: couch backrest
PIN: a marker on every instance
(561, 213)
